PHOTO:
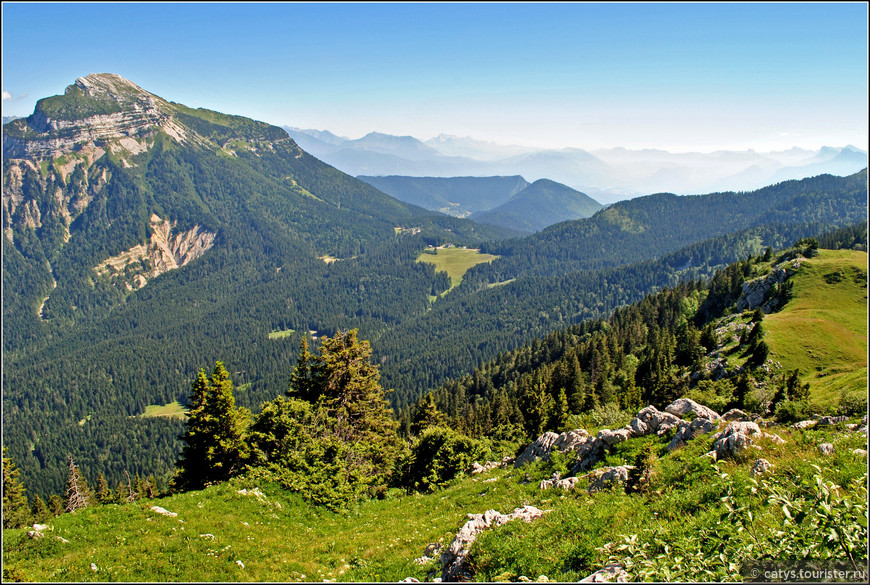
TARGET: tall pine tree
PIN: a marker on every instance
(16, 510)
(215, 440)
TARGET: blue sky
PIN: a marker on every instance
(589, 75)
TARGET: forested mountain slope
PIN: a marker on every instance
(143, 239)
(539, 205)
(647, 227)
(733, 341)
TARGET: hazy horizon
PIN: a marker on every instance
(672, 76)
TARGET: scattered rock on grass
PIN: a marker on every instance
(611, 573)
(453, 559)
(736, 437)
(163, 511)
(607, 477)
(826, 421)
(826, 449)
(761, 466)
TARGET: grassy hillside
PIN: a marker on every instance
(822, 331)
(691, 505)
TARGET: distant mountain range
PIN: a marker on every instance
(607, 175)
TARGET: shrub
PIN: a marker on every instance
(852, 404)
(715, 395)
(438, 456)
(640, 476)
(789, 411)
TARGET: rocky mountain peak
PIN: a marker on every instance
(108, 86)
(96, 108)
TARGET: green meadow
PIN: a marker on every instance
(694, 507)
(455, 262)
(822, 331)
(172, 409)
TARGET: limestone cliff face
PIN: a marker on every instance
(123, 110)
(164, 251)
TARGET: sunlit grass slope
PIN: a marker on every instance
(276, 538)
(822, 331)
(221, 535)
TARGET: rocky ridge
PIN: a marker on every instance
(126, 111)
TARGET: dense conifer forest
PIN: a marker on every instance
(300, 252)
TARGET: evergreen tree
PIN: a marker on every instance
(302, 379)
(341, 445)
(640, 476)
(742, 388)
(348, 387)
(16, 509)
(56, 505)
(535, 403)
(104, 494)
(40, 510)
(78, 494)
(795, 390)
(561, 411)
(427, 415)
(141, 491)
(215, 442)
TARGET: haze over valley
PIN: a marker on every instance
(607, 175)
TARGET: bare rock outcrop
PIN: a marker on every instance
(576, 440)
(164, 251)
(684, 406)
(125, 110)
(735, 414)
(453, 563)
(757, 292)
(654, 421)
(607, 477)
(736, 437)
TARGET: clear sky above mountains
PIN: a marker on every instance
(681, 77)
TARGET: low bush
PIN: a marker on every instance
(438, 456)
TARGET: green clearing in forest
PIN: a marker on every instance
(455, 262)
(281, 334)
(172, 409)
